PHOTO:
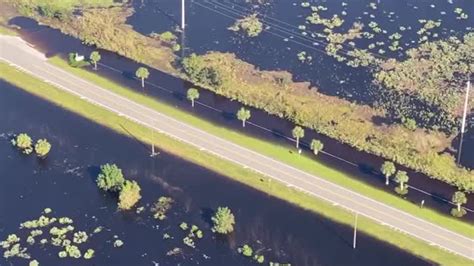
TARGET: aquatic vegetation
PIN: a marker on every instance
(110, 178)
(168, 36)
(251, 25)
(42, 147)
(89, 254)
(73, 251)
(189, 242)
(129, 195)
(23, 142)
(223, 221)
(183, 226)
(80, 237)
(161, 207)
(118, 243)
(245, 250)
(33, 263)
(259, 258)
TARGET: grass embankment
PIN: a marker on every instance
(246, 176)
(224, 167)
(275, 151)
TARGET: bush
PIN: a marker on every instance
(458, 213)
(23, 141)
(168, 36)
(42, 147)
(161, 207)
(110, 178)
(251, 25)
(73, 63)
(129, 195)
(223, 221)
(246, 250)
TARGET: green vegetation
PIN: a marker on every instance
(192, 95)
(246, 250)
(401, 178)
(459, 198)
(316, 146)
(94, 58)
(250, 25)
(75, 62)
(297, 133)
(129, 195)
(243, 115)
(161, 207)
(110, 178)
(42, 147)
(247, 176)
(23, 142)
(223, 221)
(142, 73)
(388, 169)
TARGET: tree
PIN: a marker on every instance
(316, 146)
(223, 221)
(388, 169)
(297, 132)
(110, 178)
(192, 94)
(129, 195)
(458, 198)
(23, 141)
(42, 147)
(95, 57)
(401, 178)
(243, 115)
(142, 73)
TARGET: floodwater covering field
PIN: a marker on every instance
(65, 182)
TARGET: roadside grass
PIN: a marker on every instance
(278, 152)
(224, 167)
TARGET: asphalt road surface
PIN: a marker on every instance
(15, 51)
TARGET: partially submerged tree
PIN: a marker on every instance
(23, 142)
(129, 195)
(402, 178)
(95, 57)
(110, 178)
(388, 169)
(458, 198)
(251, 25)
(243, 115)
(42, 147)
(192, 95)
(316, 146)
(297, 133)
(142, 73)
(223, 221)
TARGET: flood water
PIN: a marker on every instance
(64, 181)
(220, 111)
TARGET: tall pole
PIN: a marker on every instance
(464, 117)
(183, 15)
(354, 241)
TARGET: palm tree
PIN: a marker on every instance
(95, 57)
(401, 177)
(459, 198)
(316, 146)
(388, 169)
(192, 95)
(297, 132)
(243, 115)
(142, 73)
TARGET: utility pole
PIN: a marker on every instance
(153, 153)
(183, 15)
(464, 117)
(354, 241)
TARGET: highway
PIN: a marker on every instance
(16, 52)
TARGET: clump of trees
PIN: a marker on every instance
(198, 71)
(250, 25)
(24, 143)
(223, 221)
(111, 179)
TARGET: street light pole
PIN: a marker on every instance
(183, 15)
(464, 117)
(354, 241)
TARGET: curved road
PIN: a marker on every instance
(16, 52)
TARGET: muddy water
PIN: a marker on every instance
(65, 183)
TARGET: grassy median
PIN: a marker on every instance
(236, 172)
(277, 152)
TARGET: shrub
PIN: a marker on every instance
(110, 178)
(168, 36)
(161, 207)
(42, 147)
(23, 141)
(129, 195)
(223, 221)
(246, 250)
(73, 63)
(251, 25)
